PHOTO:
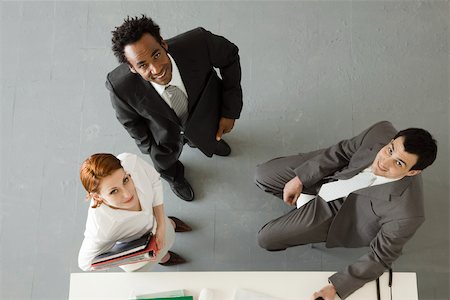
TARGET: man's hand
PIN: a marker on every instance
(327, 293)
(292, 190)
(225, 126)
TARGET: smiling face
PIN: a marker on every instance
(117, 191)
(392, 161)
(149, 59)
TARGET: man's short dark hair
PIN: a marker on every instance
(130, 32)
(418, 141)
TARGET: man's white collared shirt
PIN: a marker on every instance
(175, 81)
(305, 198)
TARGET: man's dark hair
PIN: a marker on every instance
(419, 142)
(131, 31)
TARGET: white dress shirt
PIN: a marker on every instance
(176, 81)
(305, 198)
(105, 225)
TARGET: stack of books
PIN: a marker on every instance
(124, 253)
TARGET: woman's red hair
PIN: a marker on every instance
(94, 169)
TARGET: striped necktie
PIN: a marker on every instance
(179, 102)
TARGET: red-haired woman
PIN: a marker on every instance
(126, 202)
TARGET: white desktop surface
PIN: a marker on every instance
(282, 285)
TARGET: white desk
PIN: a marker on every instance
(283, 285)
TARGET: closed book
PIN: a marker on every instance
(166, 294)
(116, 262)
(146, 254)
(124, 248)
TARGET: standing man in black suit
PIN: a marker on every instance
(166, 93)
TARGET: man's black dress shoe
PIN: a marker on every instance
(182, 189)
(222, 148)
(174, 259)
(180, 226)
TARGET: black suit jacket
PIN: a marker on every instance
(153, 124)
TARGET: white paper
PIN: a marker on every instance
(206, 294)
(147, 294)
(241, 294)
(303, 199)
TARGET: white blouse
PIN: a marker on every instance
(105, 225)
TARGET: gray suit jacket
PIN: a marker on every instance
(383, 217)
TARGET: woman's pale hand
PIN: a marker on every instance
(160, 238)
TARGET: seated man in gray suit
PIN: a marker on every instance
(364, 191)
(166, 93)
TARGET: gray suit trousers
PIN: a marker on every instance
(309, 223)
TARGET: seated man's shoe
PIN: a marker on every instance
(174, 259)
(222, 148)
(180, 226)
(182, 189)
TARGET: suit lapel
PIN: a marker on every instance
(152, 101)
(386, 190)
(190, 74)
(359, 162)
(362, 160)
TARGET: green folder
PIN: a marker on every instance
(171, 298)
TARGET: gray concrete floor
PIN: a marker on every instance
(313, 73)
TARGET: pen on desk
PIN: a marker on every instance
(390, 281)
(390, 277)
(378, 289)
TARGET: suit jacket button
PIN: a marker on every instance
(181, 132)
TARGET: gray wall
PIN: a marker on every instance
(313, 73)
